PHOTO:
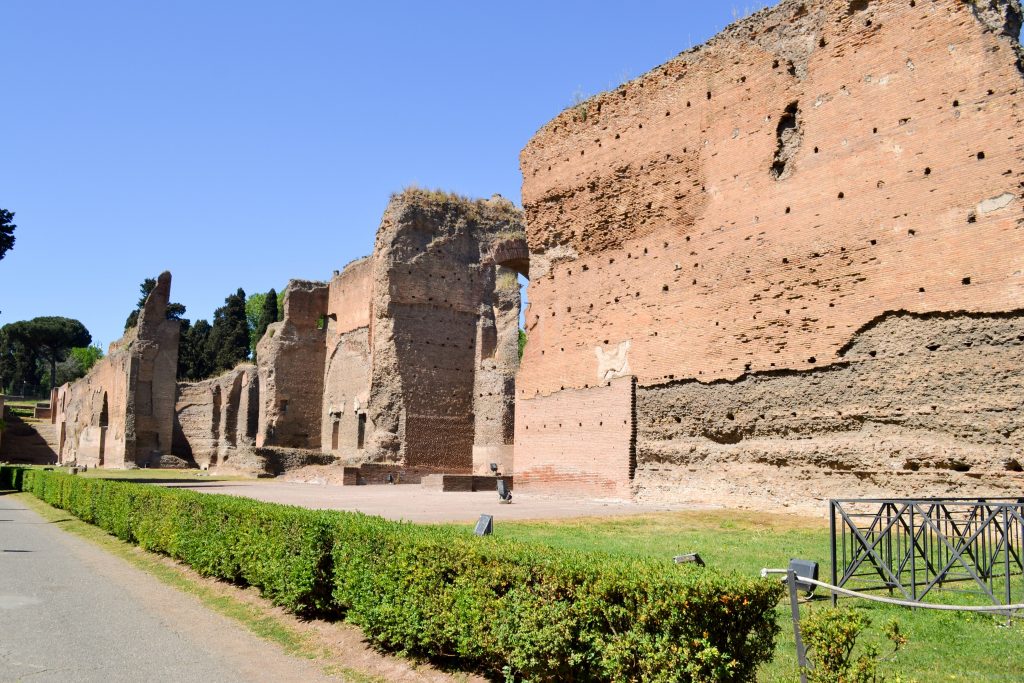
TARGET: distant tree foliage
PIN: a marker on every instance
(87, 356)
(260, 311)
(77, 365)
(7, 227)
(46, 339)
(20, 367)
(522, 343)
(253, 315)
(175, 311)
(195, 357)
(229, 338)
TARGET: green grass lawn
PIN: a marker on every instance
(943, 646)
(145, 474)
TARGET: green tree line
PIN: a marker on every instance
(208, 349)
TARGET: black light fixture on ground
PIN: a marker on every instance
(689, 558)
(484, 526)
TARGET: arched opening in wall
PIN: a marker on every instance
(514, 255)
(234, 401)
(215, 425)
(104, 418)
(523, 303)
(252, 417)
(361, 432)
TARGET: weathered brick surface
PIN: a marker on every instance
(347, 375)
(404, 363)
(577, 441)
(442, 310)
(122, 413)
(217, 417)
(750, 206)
(290, 358)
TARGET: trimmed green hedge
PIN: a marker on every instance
(527, 611)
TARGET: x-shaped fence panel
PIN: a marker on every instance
(912, 546)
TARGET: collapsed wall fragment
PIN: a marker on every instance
(785, 263)
(121, 414)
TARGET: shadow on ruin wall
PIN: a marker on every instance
(724, 229)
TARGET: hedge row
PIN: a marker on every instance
(526, 611)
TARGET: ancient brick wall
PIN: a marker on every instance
(435, 278)
(290, 359)
(406, 359)
(585, 438)
(122, 413)
(497, 359)
(217, 417)
(346, 428)
(749, 207)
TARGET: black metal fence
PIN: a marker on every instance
(913, 546)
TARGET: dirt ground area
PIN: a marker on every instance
(413, 503)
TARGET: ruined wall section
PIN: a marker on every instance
(217, 417)
(346, 429)
(936, 394)
(766, 235)
(750, 205)
(432, 281)
(290, 359)
(122, 413)
(497, 360)
(586, 436)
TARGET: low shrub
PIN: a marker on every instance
(526, 611)
(831, 636)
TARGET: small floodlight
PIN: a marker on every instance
(504, 493)
(694, 558)
(804, 569)
(484, 526)
(494, 467)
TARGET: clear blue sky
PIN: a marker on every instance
(240, 144)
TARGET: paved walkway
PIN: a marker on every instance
(413, 503)
(71, 612)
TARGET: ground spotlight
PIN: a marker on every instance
(804, 569)
(484, 526)
(689, 558)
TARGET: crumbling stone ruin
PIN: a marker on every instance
(404, 362)
(785, 264)
(122, 413)
(217, 418)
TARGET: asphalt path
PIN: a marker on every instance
(71, 612)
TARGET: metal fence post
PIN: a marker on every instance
(835, 565)
(801, 653)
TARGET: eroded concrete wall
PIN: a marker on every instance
(749, 207)
(218, 417)
(122, 413)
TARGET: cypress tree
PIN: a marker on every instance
(195, 360)
(269, 313)
(229, 338)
